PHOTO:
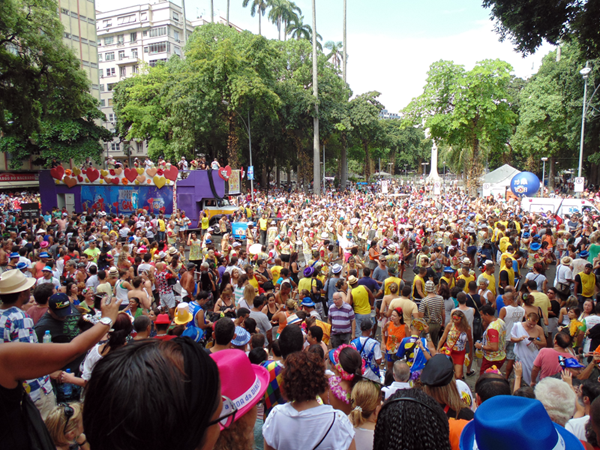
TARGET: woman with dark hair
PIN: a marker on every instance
(411, 420)
(117, 338)
(348, 367)
(139, 373)
(303, 419)
(538, 274)
(294, 268)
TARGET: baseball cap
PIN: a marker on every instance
(60, 305)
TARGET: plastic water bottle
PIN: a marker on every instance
(67, 387)
(47, 337)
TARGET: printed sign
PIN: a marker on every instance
(127, 200)
(250, 172)
(234, 182)
(579, 184)
(239, 229)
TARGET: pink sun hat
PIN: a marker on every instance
(242, 382)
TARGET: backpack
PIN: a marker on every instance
(368, 358)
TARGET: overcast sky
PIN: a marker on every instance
(391, 43)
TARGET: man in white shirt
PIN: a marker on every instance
(401, 373)
(564, 275)
(589, 391)
(48, 278)
(370, 350)
(511, 314)
(93, 281)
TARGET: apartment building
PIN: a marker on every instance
(128, 38)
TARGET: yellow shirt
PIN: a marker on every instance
(304, 283)
(492, 282)
(161, 225)
(275, 271)
(387, 282)
(467, 279)
(587, 284)
(360, 297)
(414, 286)
(263, 224)
(205, 223)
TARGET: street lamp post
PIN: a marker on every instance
(544, 159)
(425, 164)
(444, 170)
(585, 73)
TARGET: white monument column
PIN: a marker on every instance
(433, 174)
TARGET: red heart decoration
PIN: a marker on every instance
(146, 208)
(111, 171)
(114, 180)
(80, 178)
(225, 172)
(92, 174)
(116, 205)
(131, 175)
(57, 172)
(171, 174)
(162, 210)
(70, 181)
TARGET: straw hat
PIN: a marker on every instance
(13, 281)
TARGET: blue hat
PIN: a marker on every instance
(44, 255)
(307, 301)
(448, 269)
(47, 269)
(535, 246)
(208, 241)
(503, 420)
(242, 337)
(14, 255)
(308, 272)
(584, 254)
(536, 236)
(570, 363)
(526, 234)
(22, 265)
(336, 268)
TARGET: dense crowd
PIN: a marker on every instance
(355, 320)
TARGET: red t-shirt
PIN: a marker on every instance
(547, 361)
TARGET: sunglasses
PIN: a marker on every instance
(227, 415)
(69, 412)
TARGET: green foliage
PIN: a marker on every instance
(528, 22)
(467, 110)
(46, 110)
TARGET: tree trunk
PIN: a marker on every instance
(475, 169)
(278, 175)
(367, 161)
(551, 175)
(232, 142)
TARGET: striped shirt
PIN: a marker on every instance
(433, 309)
(17, 326)
(341, 318)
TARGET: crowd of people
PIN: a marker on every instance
(351, 320)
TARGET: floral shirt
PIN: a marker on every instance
(495, 332)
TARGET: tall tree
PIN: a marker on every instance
(281, 13)
(335, 53)
(344, 156)
(467, 109)
(42, 88)
(257, 7)
(528, 22)
(316, 141)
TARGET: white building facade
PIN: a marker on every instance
(127, 39)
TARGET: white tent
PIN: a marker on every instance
(498, 181)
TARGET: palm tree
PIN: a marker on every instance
(299, 30)
(282, 12)
(335, 53)
(258, 6)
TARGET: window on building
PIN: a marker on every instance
(110, 72)
(175, 16)
(159, 47)
(92, 21)
(99, 56)
(126, 19)
(99, 43)
(83, 18)
(154, 62)
(134, 69)
(177, 50)
(73, 14)
(134, 53)
(145, 49)
(133, 37)
(160, 31)
(110, 86)
(109, 40)
(109, 102)
(84, 41)
(123, 72)
(140, 147)
(144, 16)
(109, 56)
(176, 35)
(94, 65)
(102, 102)
(74, 37)
(121, 54)
(67, 35)
(101, 88)
(111, 117)
(95, 87)
(115, 146)
(85, 63)
(107, 23)
(120, 38)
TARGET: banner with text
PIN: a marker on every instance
(126, 200)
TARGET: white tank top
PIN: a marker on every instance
(121, 293)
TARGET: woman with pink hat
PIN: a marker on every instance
(243, 386)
